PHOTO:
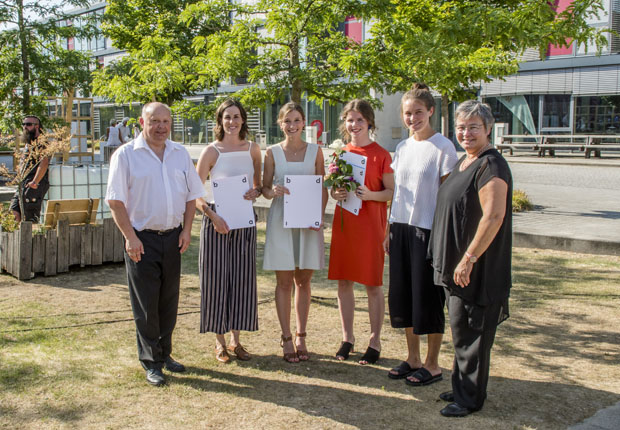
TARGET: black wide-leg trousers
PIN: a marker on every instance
(473, 332)
(154, 294)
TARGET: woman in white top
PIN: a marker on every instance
(421, 163)
(227, 261)
(294, 253)
(113, 135)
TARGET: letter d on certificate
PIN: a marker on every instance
(302, 207)
(229, 202)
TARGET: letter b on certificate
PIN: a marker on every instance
(303, 206)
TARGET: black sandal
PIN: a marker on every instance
(402, 371)
(345, 349)
(370, 356)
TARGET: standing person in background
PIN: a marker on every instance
(471, 248)
(227, 262)
(36, 183)
(356, 252)
(113, 135)
(294, 253)
(421, 164)
(152, 192)
(124, 130)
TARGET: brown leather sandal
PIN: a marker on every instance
(302, 354)
(289, 357)
(239, 351)
(221, 354)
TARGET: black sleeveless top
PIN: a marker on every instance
(457, 216)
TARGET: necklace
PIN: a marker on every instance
(469, 160)
(289, 150)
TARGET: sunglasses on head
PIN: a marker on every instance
(28, 124)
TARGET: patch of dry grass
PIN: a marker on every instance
(68, 358)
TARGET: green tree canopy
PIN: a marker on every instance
(453, 45)
(33, 63)
(160, 63)
(279, 46)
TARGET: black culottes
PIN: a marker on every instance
(413, 298)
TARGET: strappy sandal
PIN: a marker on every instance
(302, 354)
(240, 352)
(221, 354)
(345, 349)
(289, 357)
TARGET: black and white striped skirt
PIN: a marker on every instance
(227, 269)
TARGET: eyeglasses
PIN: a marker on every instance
(28, 124)
(474, 129)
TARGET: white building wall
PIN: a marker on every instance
(390, 128)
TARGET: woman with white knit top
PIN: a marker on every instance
(421, 163)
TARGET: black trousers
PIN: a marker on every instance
(154, 294)
(473, 332)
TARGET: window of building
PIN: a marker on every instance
(597, 115)
(556, 111)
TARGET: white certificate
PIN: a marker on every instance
(229, 202)
(353, 203)
(303, 206)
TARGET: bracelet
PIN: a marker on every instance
(260, 191)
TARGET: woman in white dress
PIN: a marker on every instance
(294, 253)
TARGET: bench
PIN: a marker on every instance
(596, 144)
(76, 211)
(551, 143)
(529, 142)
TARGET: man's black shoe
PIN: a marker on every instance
(155, 377)
(171, 365)
(455, 410)
(447, 396)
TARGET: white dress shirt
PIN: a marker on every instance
(418, 167)
(154, 192)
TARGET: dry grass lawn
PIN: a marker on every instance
(68, 358)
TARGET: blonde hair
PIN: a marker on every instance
(290, 107)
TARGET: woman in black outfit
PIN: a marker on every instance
(471, 246)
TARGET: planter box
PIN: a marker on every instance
(23, 254)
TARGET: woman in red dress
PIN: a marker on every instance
(356, 249)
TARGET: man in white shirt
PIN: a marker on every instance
(152, 187)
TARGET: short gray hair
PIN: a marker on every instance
(473, 108)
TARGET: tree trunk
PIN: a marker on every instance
(296, 87)
(23, 41)
(445, 115)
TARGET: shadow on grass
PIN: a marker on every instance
(521, 403)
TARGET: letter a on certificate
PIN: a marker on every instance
(302, 207)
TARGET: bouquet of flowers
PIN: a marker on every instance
(340, 176)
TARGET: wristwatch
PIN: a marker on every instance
(471, 257)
